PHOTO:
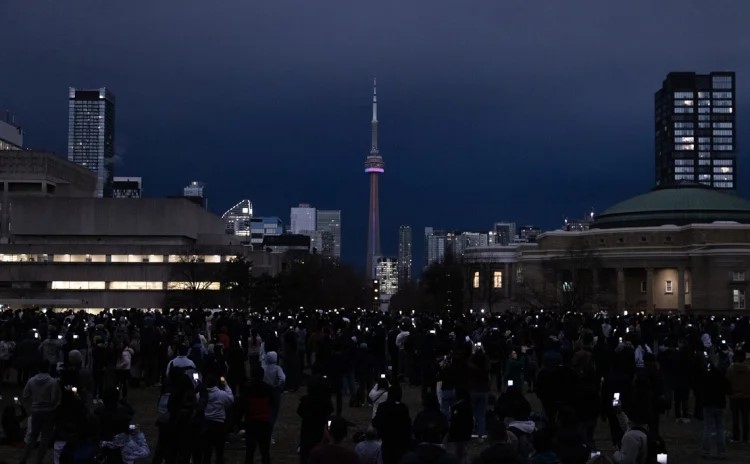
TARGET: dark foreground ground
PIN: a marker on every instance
(683, 440)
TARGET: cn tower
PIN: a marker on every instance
(374, 166)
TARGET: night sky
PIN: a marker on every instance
(489, 109)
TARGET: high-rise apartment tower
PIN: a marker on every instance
(404, 256)
(695, 122)
(91, 134)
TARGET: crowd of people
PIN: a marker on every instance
(224, 372)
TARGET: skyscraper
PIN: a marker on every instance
(238, 220)
(695, 122)
(329, 225)
(374, 166)
(435, 242)
(404, 256)
(91, 134)
(386, 271)
(302, 219)
(505, 233)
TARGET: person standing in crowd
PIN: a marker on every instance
(448, 376)
(51, 348)
(738, 376)
(43, 392)
(368, 449)
(514, 371)
(315, 410)
(714, 387)
(256, 403)
(479, 387)
(430, 427)
(218, 402)
(274, 376)
(379, 394)
(393, 424)
(500, 449)
(461, 424)
(124, 363)
(332, 451)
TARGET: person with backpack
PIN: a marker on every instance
(180, 361)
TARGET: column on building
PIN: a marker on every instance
(506, 281)
(650, 289)
(681, 288)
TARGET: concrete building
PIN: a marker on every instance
(91, 134)
(117, 253)
(195, 191)
(404, 256)
(127, 187)
(329, 225)
(302, 218)
(11, 134)
(681, 248)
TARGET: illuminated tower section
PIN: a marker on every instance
(374, 166)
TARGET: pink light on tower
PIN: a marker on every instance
(374, 166)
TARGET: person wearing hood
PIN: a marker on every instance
(274, 376)
(219, 400)
(44, 393)
(738, 376)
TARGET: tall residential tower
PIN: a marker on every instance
(404, 256)
(329, 225)
(91, 134)
(695, 123)
(374, 166)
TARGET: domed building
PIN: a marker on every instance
(685, 247)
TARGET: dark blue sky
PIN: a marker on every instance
(489, 109)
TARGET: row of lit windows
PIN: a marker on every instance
(133, 285)
(89, 258)
(497, 279)
(723, 184)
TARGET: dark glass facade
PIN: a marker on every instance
(695, 125)
(91, 134)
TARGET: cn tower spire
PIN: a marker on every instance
(374, 122)
(374, 167)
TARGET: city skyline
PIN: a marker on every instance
(463, 127)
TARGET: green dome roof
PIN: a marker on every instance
(679, 205)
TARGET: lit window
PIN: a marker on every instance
(738, 299)
(687, 285)
(133, 285)
(476, 279)
(668, 287)
(77, 285)
(79, 258)
(738, 276)
(497, 279)
(643, 286)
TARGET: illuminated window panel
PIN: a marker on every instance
(497, 279)
(78, 285)
(476, 279)
(194, 286)
(134, 285)
(66, 258)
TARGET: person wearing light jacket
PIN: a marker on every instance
(132, 445)
(634, 447)
(44, 393)
(123, 366)
(219, 401)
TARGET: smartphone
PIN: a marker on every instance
(132, 427)
(661, 458)
(616, 396)
(329, 424)
(195, 376)
(75, 337)
(595, 454)
(74, 389)
(223, 380)
(620, 339)
(615, 403)
(382, 376)
(510, 383)
(15, 398)
(59, 337)
(432, 332)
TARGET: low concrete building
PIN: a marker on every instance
(118, 253)
(680, 248)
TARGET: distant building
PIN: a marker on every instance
(238, 220)
(504, 233)
(286, 243)
(302, 217)
(261, 227)
(696, 127)
(578, 225)
(11, 135)
(196, 192)
(435, 241)
(329, 225)
(529, 233)
(386, 272)
(91, 134)
(404, 256)
(464, 240)
(127, 187)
